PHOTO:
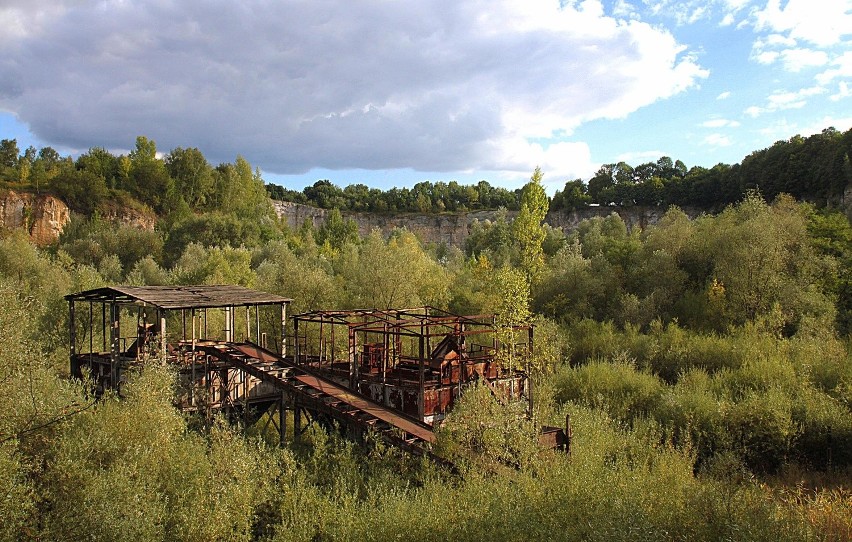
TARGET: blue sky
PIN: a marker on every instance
(392, 93)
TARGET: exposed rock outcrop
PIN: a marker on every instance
(128, 216)
(42, 216)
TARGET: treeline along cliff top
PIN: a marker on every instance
(815, 168)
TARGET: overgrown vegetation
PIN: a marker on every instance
(706, 365)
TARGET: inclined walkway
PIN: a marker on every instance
(320, 395)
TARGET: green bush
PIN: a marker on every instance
(616, 387)
(762, 429)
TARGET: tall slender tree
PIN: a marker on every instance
(527, 229)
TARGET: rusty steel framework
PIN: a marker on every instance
(393, 372)
(136, 324)
(418, 360)
(222, 366)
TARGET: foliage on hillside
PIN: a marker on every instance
(706, 365)
(817, 168)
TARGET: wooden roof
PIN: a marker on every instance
(180, 297)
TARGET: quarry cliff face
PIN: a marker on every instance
(453, 229)
(42, 216)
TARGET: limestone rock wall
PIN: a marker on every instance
(42, 216)
(453, 229)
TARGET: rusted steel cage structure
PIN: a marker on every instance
(393, 372)
(115, 328)
(418, 360)
(243, 371)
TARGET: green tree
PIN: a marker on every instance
(396, 273)
(82, 190)
(192, 175)
(336, 231)
(100, 162)
(573, 196)
(8, 158)
(527, 230)
(148, 179)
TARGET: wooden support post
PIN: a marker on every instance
(353, 364)
(282, 419)
(257, 325)
(529, 374)
(103, 327)
(163, 341)
(297, 354)
(297, 423)
(192, 354)
(494, 327)
(208, 387)
(284, 330)
(385, 354)
(72, 333)
(228, 330)
(569, 434)
(114, 337)
(248, 324)
(91, 329)
(322, 344)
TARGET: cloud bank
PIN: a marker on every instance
(294, 85)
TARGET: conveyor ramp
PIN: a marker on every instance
(320, 395)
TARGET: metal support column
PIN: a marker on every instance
(421, 407)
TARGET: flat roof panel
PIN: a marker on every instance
(181, 297)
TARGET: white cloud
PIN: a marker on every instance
(720, 123)
(778, 130)
(776, 48)
(839, 123)
(843, 92)
(783, 129)
(823, 23)
(717, 140)
(796, 59)
(560, 161)
(780, 101)
(624, 10)
(767, 57)
(755, 111)
(724, 96)
(687, 12)
(683, 12)
(439, 86)
(842, 69)
(640, 157)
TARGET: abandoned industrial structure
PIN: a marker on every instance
(395, 372)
